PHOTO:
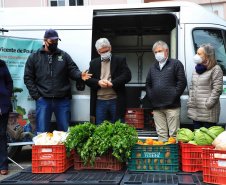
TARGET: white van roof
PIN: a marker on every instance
(81, 16)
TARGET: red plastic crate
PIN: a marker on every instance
(137, 123)
(135, 111)
(50, 159)
(134, 116)
(107, 162)
(214, 166)
(190, 156)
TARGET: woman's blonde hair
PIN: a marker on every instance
(209, 53)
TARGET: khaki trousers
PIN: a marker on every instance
(167, 122)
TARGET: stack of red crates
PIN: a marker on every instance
(214, 166)
(135, 117)
(50, 159)
(107, 162)
(191, 157)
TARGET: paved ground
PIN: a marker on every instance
(23, 158)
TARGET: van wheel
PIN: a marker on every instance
(13, 150)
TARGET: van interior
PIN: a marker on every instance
(133, 36)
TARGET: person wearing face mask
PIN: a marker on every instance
(110, 74)
(47, 77)
(205, 89)
(165, 84)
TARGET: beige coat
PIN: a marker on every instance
(205, 89)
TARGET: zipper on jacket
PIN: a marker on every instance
(50, 57)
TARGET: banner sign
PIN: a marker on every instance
(21, 123)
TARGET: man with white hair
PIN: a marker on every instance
(110, 74)
(165, 84)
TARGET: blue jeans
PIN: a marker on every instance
(3, 142)
(105, 110)
(44, 109)
(199, 124)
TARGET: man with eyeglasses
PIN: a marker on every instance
(47, 76)
(110, 74)
(14, 129)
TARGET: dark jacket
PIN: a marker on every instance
(42, 83)
(6, 88)
(120, 75)
(164, 87)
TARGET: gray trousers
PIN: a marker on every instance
(167, 122)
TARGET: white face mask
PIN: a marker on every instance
(106, 55)
(160, 57)
(197, 59)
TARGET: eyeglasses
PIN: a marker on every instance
(33, 113)
(103, 51)
(12, 117)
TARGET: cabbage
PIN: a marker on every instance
(185, 135)
(216, 130)
(193, 142)
(202, 138)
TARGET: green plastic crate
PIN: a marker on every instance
(161, 158)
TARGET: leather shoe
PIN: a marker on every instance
(4, 172)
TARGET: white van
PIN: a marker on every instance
(132, 31)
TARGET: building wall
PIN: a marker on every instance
(22, 3)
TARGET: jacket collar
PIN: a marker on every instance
(42, 49)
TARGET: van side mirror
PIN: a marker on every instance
(80, 85)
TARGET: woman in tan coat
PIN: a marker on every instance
(205, 89)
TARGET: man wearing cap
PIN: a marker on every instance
(47, 76)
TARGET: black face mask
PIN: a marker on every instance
(52, 47)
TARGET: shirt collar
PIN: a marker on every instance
(161, 64)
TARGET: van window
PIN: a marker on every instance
(215, 38)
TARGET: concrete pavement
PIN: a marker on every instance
(23, 158)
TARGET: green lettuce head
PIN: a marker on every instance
(185, 135)
(202, 138)
(216, 130)
(193, 142)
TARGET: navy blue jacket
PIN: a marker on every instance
(164, 87)
(6, 88)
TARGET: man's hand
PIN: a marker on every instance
(103, 83)
(109, 83)
(85, 75)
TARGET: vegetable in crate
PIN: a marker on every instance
(220, 141)
(92, 141)
(78, 136)
(216, 130)
(185, 135)
(193, 142)
(204, 137)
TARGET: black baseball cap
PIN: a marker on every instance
(52, 34)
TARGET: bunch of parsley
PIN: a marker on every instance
(91, 141)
